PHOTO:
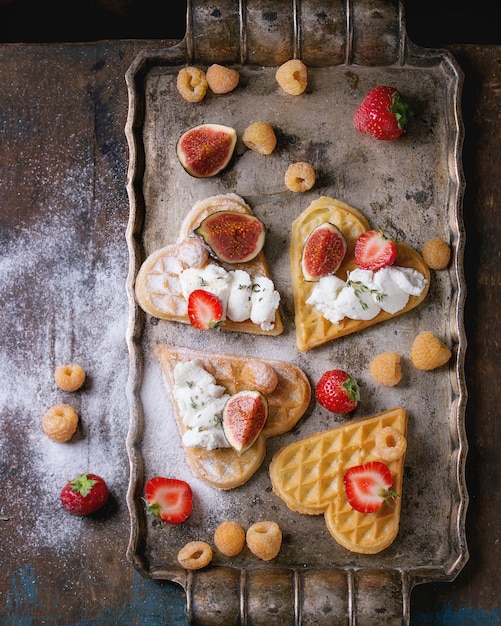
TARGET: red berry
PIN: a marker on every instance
(337, 391)
(205, 309)
(169, 499)
(374, 251)
(85, 494)
(383, 114)
(367, 486)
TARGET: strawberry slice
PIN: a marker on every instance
(205, 309)
(169, 499)
(367, 486)
(373, 250)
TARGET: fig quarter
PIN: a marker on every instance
(244, 416)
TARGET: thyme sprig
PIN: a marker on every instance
(359, 288)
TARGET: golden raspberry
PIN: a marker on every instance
(260, 137)
(300, 177)
(390, 443)
(69, 377)
(260, 376)
(222, 79)
(436, 254)
(229, 538)
(192, 84)
(60, 422)
(195, 555)
(264, 539)
(292, 76)
(429, 352)
(385, 369)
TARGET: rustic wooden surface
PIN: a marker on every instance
(64, 209)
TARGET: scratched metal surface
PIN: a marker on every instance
(412, 188)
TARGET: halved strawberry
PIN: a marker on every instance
(169, 499)
(205, 309)
(367, 486)
(373, 250)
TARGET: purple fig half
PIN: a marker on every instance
(323, 252)
(207, 149)
(231, 236)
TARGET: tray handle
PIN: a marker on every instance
(320, 32)
(266, 596)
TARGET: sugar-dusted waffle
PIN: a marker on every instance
(223, 467)
(308, 476)
(158, 287)
(312, 328)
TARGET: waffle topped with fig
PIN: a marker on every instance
(216, 274)
(339, 289)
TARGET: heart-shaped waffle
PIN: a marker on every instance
(158, 288)
(312, 328)
(224, 468)
(308, 476)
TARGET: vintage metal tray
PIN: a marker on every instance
(412, 188)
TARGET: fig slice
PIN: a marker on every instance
(231, 236)
(244, 416)
(207, 149)
(323, 252)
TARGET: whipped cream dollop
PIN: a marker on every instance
(200, 401)
(365, 293)
(242, 297)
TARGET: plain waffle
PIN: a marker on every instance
(224, 468)
(312, 328)
(308, 476)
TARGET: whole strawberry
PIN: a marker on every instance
(85, 494)
(383, 114)
(337, 391)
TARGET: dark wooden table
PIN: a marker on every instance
(63, 266)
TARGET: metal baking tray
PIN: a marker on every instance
(412, 188)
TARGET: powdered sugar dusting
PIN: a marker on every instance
(53, 267)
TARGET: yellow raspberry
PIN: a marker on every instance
(222, 79)
(60, 422)
(436, 254)
(195, 555)
(69, 377)
(192, 84)
(264, 539)
(260, 137)
(390, 443)
(292, 76)
(260, 376)
(229, 538)
(300, 177)
(385, 369)
(429, 352)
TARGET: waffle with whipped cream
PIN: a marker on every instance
(312, 327)
(158, 287)
(287, 402)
